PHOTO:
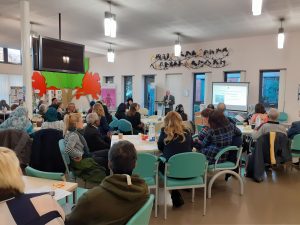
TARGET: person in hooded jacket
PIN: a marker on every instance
(122, 193)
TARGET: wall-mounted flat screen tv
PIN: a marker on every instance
(58, 56)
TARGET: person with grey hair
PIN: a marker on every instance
(222, 108)
(98, 145)
(122, 193)
(271, 126)
(42, 110)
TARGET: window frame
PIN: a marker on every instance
(110, 77)
(149, 76)
(124, 86)
(5, 57)
(194, 90)
(233, 71)
(260, 87)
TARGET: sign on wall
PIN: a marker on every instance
(109, 96)
(191, 59)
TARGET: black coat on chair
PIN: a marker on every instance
(45, 155)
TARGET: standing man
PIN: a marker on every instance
(169, 101)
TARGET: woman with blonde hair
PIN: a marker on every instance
(174, 138)
(84, 165)
(16, 207)
(103, 127)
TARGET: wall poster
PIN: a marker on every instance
(108, 94)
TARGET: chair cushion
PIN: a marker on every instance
(224, 165)
(173, 182)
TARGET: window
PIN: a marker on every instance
(127, 87)
(109, 80)
(148, 80)
(1, 55)
(234, 76)
(199, 91)
(13, 56)
(269, 88)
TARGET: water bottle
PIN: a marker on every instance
(151, 134)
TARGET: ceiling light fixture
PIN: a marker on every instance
(281, 37)
(177, 46)
(110, 23)
(256, 7)
(110, 55)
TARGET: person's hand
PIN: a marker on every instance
(77, 159)
(109, 134)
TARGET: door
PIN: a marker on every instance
(174, 85)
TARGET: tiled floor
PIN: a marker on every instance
(274, 201)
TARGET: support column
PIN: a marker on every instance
(208, 88)
(26, 59)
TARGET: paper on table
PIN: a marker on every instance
(58, 193)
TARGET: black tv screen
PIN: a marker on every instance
(60, 56)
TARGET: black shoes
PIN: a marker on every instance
(176, 199)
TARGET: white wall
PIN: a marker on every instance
(250, 54)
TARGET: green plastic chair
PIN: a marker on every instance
(295, 146)
(66, 159)
(142, 217)
(147, 168)
(46, 175)
(283, 117)
(114, 124)
(225, 168)
(124, 126)
(182, 171)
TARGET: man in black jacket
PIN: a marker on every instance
(294, 129)
(98, 145)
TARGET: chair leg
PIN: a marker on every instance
(193, 195)
(165, 203)
(204, 200)
(156, 200)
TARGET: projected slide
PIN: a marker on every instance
(234, 95)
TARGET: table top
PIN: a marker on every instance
(246, 130)
(140, 146)
(32, 183)
(148, 120)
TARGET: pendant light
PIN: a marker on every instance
(256, 7)
(110, 55)
(110, 23)
(281, 36)
(177, 47)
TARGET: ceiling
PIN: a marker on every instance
(147, 23)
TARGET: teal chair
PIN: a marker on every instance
(66, 159)
(46, 175)
(182, 171)
(124, 126)
(226, 168)
(283, 117)
(147, 168)
(114, 124)
(114, 118)
(295, 146)
(142, 217)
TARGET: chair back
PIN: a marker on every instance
(114, 124)
(282, 117)
(142, 217)
(124, 126)
(64, 154)
(236, 157)
(114, 118)
(146, 165)
(46, 175)
(187, 165)
(296, 143)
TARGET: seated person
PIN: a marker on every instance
(220, 135)
(92, 103)
(260, 112)
(294, 129)
(82, 162)
(271, 126)
(179, 108)
(19, 120)
(134, 117)
(103, 127)
(197, 142)
(42, 110)
(54, 103)
(52, 121)
(120, 114)
(174, 139)
(16, 207)
(210, 106)
(60, 111)
(3, 105)
(129, 102)
(107, 114)
(118, 197)
(222, 107)
(71, 108)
